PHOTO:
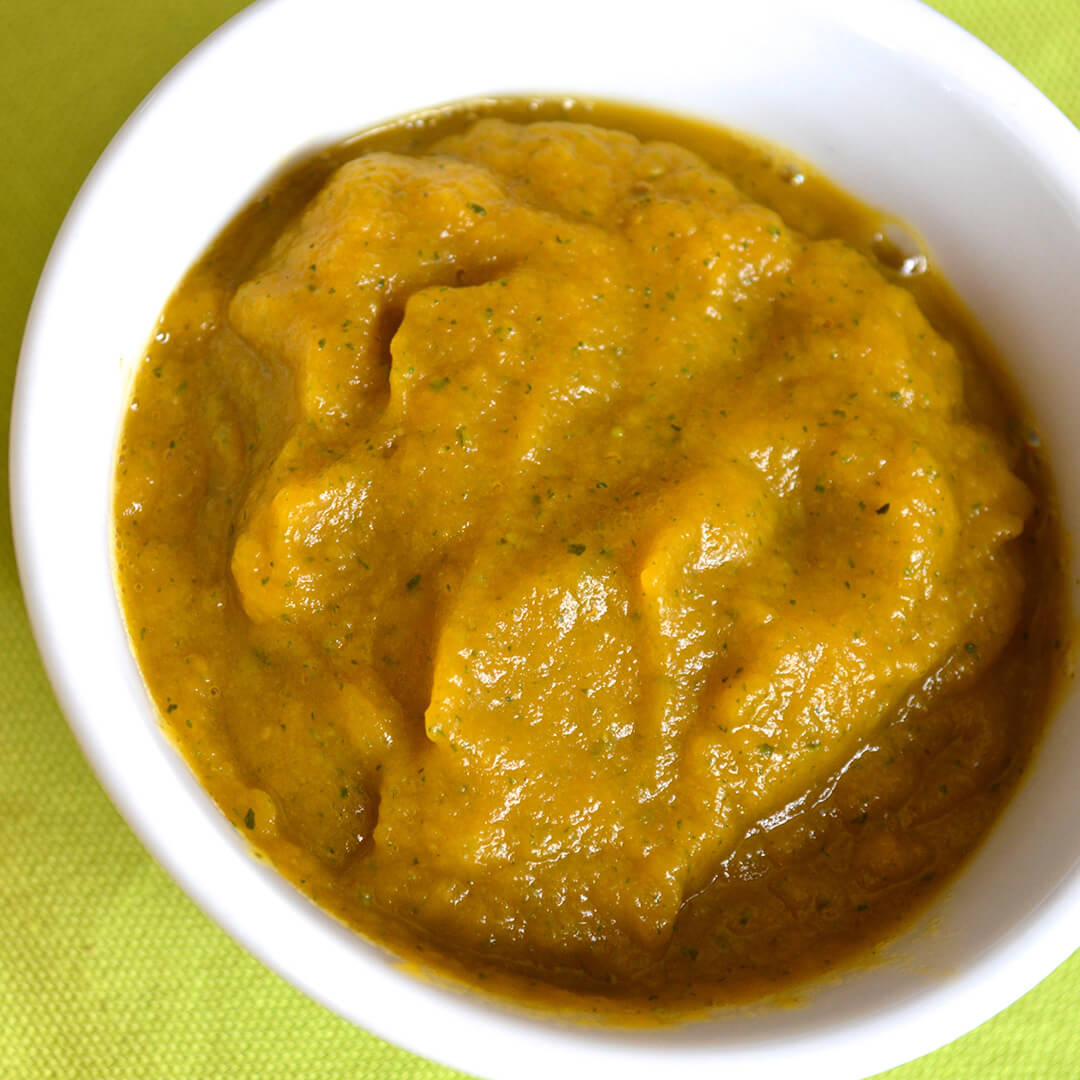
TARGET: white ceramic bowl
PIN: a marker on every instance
(888, 98)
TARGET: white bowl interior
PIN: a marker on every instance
(888, 99)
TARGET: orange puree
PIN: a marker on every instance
(556, 561)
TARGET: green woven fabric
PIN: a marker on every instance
(106, 969)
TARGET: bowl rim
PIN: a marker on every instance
(1020, 960)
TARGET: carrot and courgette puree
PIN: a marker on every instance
(578, 562)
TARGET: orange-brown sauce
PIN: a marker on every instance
(586, 567)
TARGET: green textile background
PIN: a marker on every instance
(106, 969)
